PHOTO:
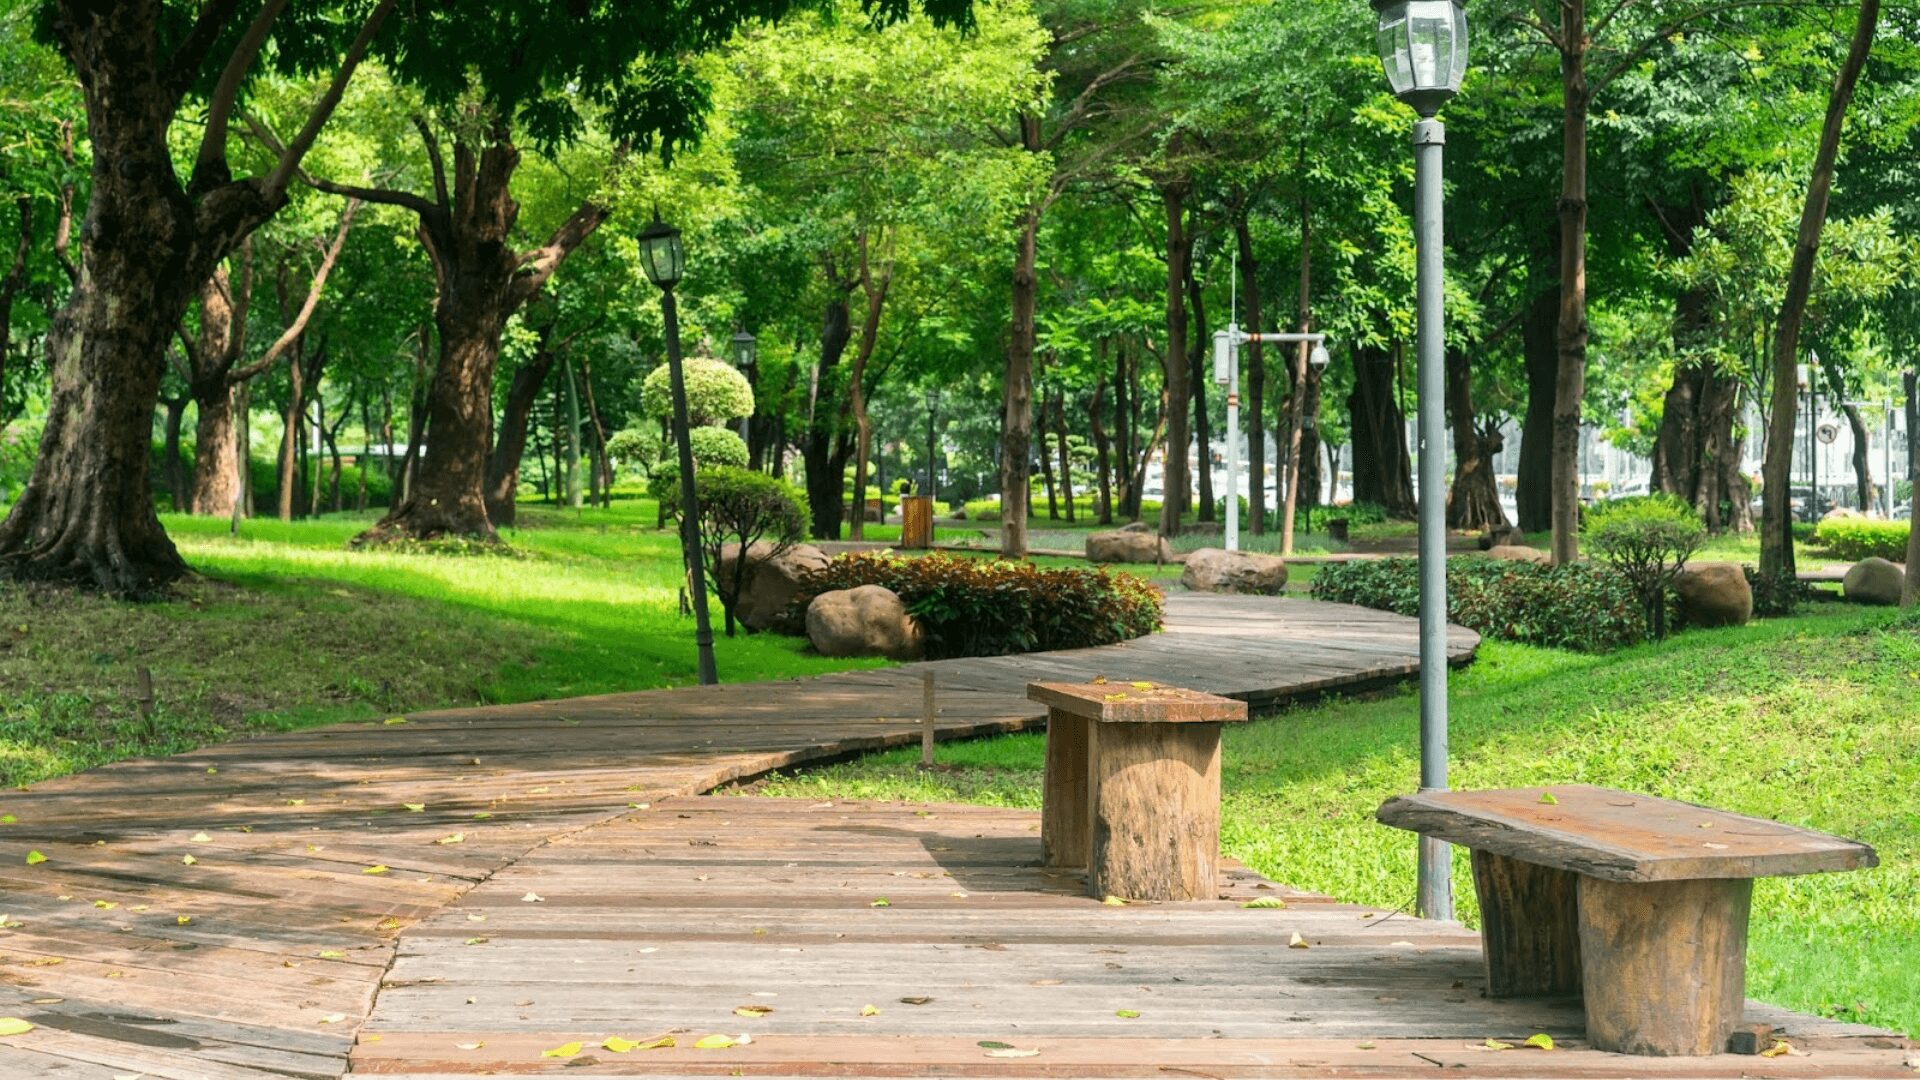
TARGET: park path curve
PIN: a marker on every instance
(231, 913)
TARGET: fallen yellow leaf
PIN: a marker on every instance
(1547, 798)
(416, 807)
(376, 869)
(468, 1046)
(664, 1042)
(754, 1011)
(1541, 1041)
(34, 858)
(200, 838)
(617, 1044)
(188, 860)
(1113, 901)
(715, 1042)
(183, 919)
(1296, 941)
(1496, 1044)
(869, 1010)
(13, 1025)
(456, 838)
(564, 1050)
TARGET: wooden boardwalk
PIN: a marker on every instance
(232, 913)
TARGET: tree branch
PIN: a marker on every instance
(433, 156)
(210, 163)
(184, 65)
(538, 265)
(298, 325)
(282, 174)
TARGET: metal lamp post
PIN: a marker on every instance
(1423, 47)
(662, 258)
(1226, 372)
(746, 352)
(933, 404)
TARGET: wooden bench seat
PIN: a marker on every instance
(1133, 786)
(1638, 904)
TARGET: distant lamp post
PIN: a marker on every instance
(1423, 47)
(662, 258)
(746, 357)
(933, 457)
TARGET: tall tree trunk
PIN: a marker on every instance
(290, 443)
(1102, 449)
(1297, 381)
(1066, 453)
(416, 417)
(1124, 427)
(1473, 502)
(1199, 376)
(177, 476)
(366, 453)
(1016, 427)
(824, 468)
(875, 280)
(243, 451)
(1173, 362)
(1910, 596)
(573, 437)
(1382, 470)
(603, 469)
(1862, 468)
(1256, 378)
(1046, 456)
(1311, 479)
(510, 444)
(1534, 490)
(1570, 377)
(1776, 534)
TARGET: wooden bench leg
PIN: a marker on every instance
(1529, 927)
(1664, 964)
(1065, 810)
(1156, 811)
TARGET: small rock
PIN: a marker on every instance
(868, 621)
(1217, 570)
(1874, 581)
(1714, 594)
(1518, 553)
(1129, 545)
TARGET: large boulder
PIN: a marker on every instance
(1518, 553)
(870, 620)
(1128, 545)
(770, 584)
(1217, 570)
(1874, 581)
(1714, 594)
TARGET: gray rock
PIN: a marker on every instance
(1518, 553)
(1128, 546)
(1136, 527)
(1874, 581)
(1714, 594)
(867, 621)
(770, 584)
(1221, 571)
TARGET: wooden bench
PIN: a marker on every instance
(1133, 786)
(1637, 904)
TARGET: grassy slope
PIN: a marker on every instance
(1807, 720)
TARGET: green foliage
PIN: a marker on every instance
(716, 392)
(1313, 519)
(1777, 594)
(634, 447)
(1855, 538)
(739, 508)
(1646, 540)
(977, 607)
(711, 447)
(1578, 606)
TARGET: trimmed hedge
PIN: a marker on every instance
(1083, 509)
(1580, 606)
(1864, 538)
(978, 607)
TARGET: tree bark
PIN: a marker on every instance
(1473, 502)
(825, 466)
(1776, 536)
(1297, 381)
(1910, 596)
(1256, 379)
(177, 478)
(291, 441)
(1571, 369)
(1534, 492)
(1199, 376)
(875, 280)
(1382, 470)
(1102, 450)
(1016, 428)
(1066, 452)
(1862, 468)
(503, 464)
(1045, 419)
(1178, 486)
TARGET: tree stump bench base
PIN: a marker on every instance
(1133, 786)
(1636, 904)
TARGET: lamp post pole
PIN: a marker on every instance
(1423, 48)
(689, 507)
(933, 402)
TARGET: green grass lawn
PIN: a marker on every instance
(1809, 720)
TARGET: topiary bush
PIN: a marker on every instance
(711, 447)
(716, 393)
(743, 507)
(1646, 540)
(1579, 606)
(978, 607)
(1863, 538)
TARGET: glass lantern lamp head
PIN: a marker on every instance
(933, 399)
(1423, 47)
(746, 350)
(660, 252)
(1319, 358)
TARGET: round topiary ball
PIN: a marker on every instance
(716, 393)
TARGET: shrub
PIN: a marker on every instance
(1863, 538)
(716, 392)
(1579, 606)
(741, 506)
(1647, 540)
(711, 447)
(631, 448)
(1313, 519)
(1778, 593)
(977, 607)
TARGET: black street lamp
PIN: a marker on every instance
(746, 353)
(662, 258)
(933, 403)
(1423, 47)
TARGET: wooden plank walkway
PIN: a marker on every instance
(232, 913)
(671, 920)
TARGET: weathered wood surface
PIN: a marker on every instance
(1066, 806)
(668, 919)
(1664, 963)
(1529, 925)
(1621, 836)
(284, 928)
(1115, 701)
(1156, 811)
